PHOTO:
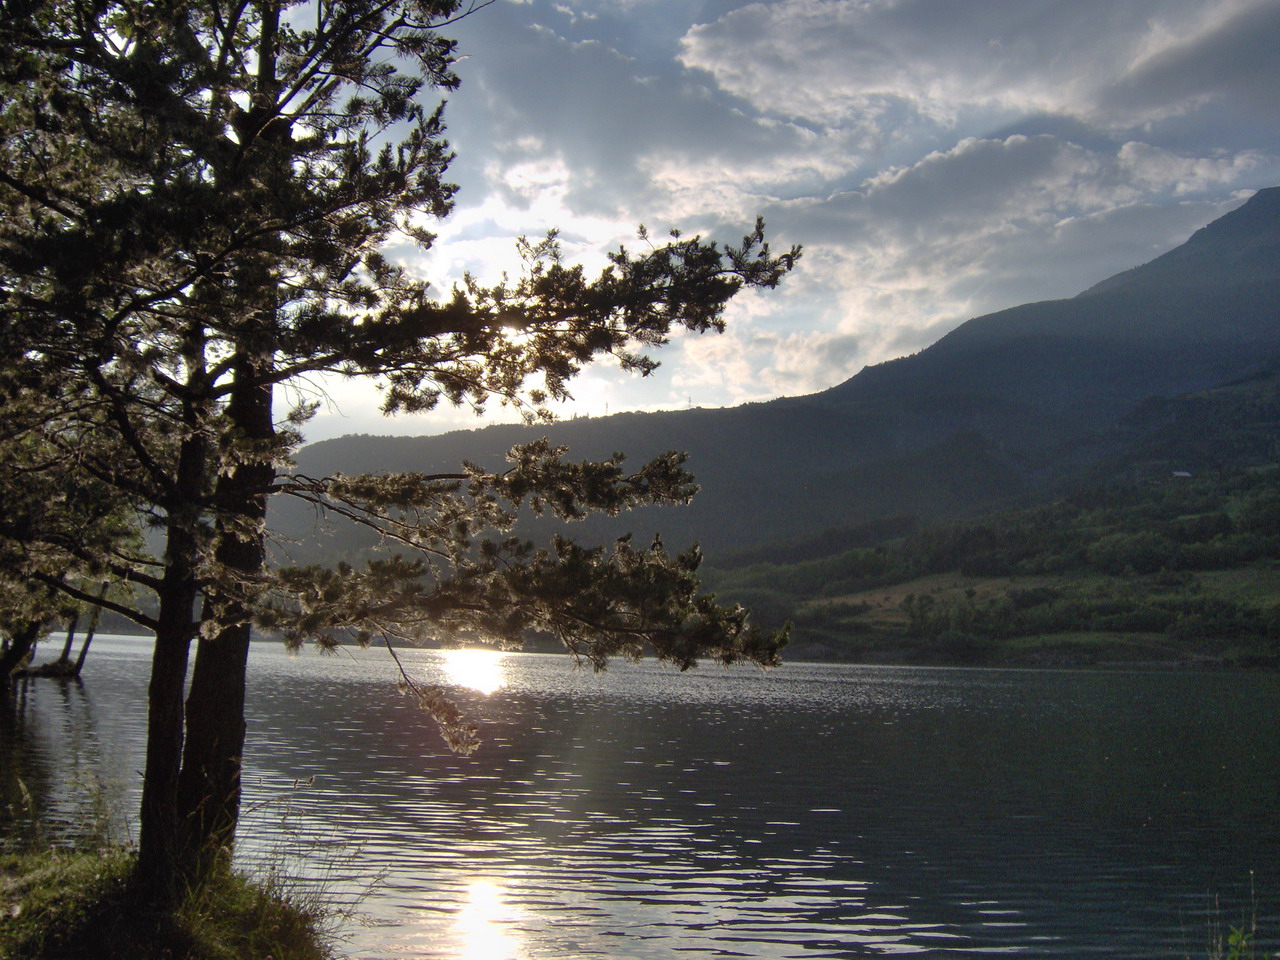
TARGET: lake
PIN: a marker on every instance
(814, 811)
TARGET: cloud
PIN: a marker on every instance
(1161, 170)
(1230, 62)
(938, 160)
(989, 224)
(949, 64)
(979, 179)
(536, 93)
(745, 364)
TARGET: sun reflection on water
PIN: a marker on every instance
(479, 670)
(484, 923)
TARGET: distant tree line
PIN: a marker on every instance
(1125, 558)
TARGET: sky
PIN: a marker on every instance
(937, 159)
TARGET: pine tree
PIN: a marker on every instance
(196, 199)
(60, 526)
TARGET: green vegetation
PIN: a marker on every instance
(1238, 946)
(1184, 568)
(1233, 941)
(58, 903)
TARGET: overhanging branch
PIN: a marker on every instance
(137, 616)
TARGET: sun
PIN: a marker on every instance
(476, 669)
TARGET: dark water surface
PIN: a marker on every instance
(813, 811)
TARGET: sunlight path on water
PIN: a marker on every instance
(811, 813)
(475, 669)
(486, 924)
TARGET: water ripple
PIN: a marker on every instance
(812, 812)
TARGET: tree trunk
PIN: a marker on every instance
(209, 786)
(160, 836)
(88, 634)
(209, 789)
(71, 638)
(21, 643)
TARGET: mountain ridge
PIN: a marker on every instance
(991, 413)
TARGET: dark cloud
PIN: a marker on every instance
(1234, 66)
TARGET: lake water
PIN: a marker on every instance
(815, 811)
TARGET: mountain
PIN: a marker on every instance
(1199, 315)
(995, 412)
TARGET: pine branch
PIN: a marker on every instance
(129, 613)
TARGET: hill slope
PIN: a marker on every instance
(998, 410)
(1182, 568)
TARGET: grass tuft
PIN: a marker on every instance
(66, 905)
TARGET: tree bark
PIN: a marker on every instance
(159, 838)
(88, 635)
(209, 789)
(71, 637)
(21, 643)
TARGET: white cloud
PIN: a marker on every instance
(1158, 170)
(745, 364)
(989, 224)
(938, 159)
(848, 61)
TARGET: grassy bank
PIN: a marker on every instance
(60, 904)
(1066, 620)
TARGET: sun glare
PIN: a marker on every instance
(479, 670)
(517, 338)
(483, 924)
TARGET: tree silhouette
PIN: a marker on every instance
(197, 198)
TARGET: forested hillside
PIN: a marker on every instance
(1182, 567)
